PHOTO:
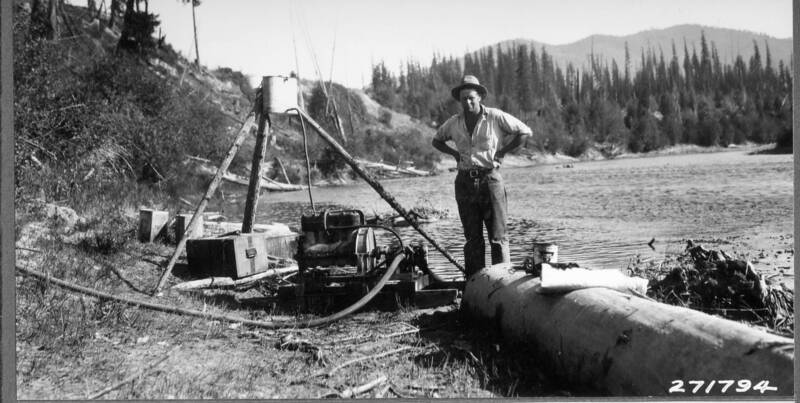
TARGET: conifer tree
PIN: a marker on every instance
(626, 79)
(536, 77)
(705, 64)
(675, 79)
(524, 79)
(688, 71)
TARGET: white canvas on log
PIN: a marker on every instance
(558, 280)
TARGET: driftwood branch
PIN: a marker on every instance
(350, 392)
(360, 359)
(382, 336)
(136, 375)
(196, 158)
(39, 146)
(401, 393)
(397, 168)
(382, 392)
(227, 282)
(283, 170)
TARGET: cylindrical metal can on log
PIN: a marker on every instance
(544, 252)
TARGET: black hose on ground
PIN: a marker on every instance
(46, 278)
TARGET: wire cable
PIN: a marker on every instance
(308, 161)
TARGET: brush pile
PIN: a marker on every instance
(716, 283)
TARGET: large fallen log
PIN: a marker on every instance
(628, 345)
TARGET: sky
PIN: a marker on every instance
(344, 38)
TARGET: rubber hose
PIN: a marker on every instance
(191, 312)
(434, 277)
(308, 162)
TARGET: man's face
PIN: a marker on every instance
(470, 100)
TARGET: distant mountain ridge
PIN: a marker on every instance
(729, 43)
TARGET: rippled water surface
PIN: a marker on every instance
(601, 214)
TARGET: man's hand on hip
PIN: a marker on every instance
(498, 160)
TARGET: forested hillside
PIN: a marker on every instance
(685, 94)
(100, 102)
(104, 105)
(729, 43)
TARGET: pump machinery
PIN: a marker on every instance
(340, 260)
(341, 257)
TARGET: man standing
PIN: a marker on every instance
(482, 136)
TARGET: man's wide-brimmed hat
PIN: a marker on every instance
(469, 81)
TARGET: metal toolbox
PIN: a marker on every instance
(238, 256)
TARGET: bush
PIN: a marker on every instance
(82, 121)
(385, 117)
(238, 78)
(137, 31)
(784, 138)
(709, 127)
(330, 162)
(110, 238)
(645, 135)
(577, 145)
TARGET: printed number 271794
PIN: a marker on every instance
(721, 386)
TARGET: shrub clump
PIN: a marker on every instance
(716, 283)
(85, 117)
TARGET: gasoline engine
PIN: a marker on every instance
(340, 260)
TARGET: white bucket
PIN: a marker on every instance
(545, 253)
(280, 94)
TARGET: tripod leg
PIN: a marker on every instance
(223, 168)
(253, 190)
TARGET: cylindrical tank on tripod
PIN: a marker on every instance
(280, 94)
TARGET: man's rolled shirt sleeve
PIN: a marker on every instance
(512, 125)
(444, 133)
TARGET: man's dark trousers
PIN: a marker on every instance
(481, 199)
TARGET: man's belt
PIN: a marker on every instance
(476, 172)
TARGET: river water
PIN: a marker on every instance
(601, 214)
